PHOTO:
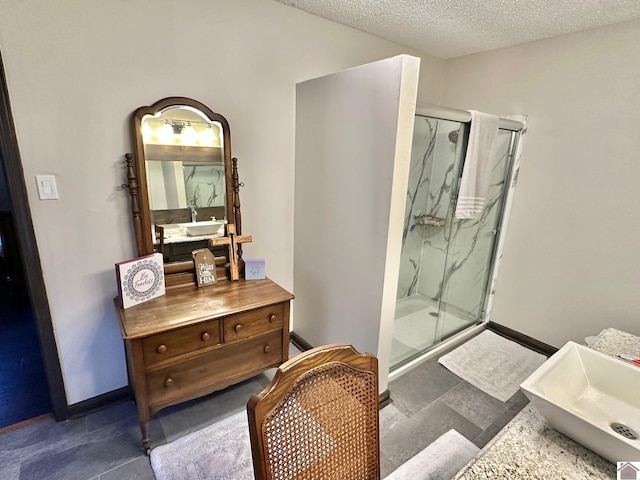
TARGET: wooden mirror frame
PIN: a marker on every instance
(176, 273)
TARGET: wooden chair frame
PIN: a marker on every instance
(289, 378)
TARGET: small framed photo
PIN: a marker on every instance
(140, 280)
(254, 269)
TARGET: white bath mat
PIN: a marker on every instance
(492, 363)
(221, 451)
(441, 460)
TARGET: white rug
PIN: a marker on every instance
(221, 451)
(492, 363)
(439, 461)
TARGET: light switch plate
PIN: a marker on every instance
(47, 189)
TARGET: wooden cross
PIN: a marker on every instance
(233, 241)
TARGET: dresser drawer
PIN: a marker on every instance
(256, 322)
(166, 385)
(177, 342)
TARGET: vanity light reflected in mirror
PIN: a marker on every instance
(155, 131)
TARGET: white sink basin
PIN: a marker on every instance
(201, 228)
(586, 395)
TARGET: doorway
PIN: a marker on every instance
(24, 392)
(24, 290)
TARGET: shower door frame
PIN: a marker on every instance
(454, 115)
(518, 126)
(492, 266)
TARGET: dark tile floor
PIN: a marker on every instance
(427, 402)
(106, 445)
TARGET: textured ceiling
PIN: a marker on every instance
(452, 28)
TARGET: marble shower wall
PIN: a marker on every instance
(429, 192)
(449, 262)
(204, 185)
(174, 185)
(470, 247)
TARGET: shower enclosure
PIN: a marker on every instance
(447, 265)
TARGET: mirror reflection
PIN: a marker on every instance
(187, 179)
(185, 165)
(185, 170)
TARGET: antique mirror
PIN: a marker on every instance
(183, 182)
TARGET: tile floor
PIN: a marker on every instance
(427, 402)
(106, 445)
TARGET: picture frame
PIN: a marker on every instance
(140, 279)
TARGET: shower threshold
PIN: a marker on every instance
(416, 329)
(436, 350)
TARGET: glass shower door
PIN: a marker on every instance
(446, 263)
(470, 252)
(435, 157)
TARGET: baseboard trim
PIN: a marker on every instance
(96, 403)
(522, 339)
(299, 342)
(384, 399)
(25, 423)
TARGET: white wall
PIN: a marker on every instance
(76, 69)
(353, 135)
(571, 262)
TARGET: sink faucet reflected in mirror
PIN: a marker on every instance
(194, 213)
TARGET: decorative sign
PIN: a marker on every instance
(205, 267)
(254, 269)
(140, 279)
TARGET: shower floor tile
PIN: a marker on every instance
(400, 352)
(415, 327)
(416, 330)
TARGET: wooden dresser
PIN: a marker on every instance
(194, 341)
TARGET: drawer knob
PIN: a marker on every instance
(168, 382)
(267, 348)
(205, 336)
(161, 348)
(238, 327)
(272, 317)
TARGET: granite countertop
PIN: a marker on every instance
(613, 342)
(527, 448)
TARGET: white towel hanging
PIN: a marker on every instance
(478, 163)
